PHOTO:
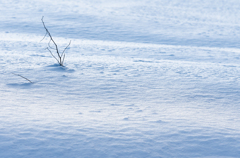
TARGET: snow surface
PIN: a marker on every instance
(141, 79)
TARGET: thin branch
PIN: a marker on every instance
(50, 45)
(50, 37)
(53, 55)
(23, 77)
(63, 59)
(66, 48)
(44, 36)
(61, 56)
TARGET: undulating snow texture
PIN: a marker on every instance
(149, 78)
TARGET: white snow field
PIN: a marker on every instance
(142, 79)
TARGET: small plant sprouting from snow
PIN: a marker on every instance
(60, 56)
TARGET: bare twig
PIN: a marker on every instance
(53, 55)
(60, 57)
(63, 58)
(49, 44)
(66, 48)
(23, 77)
(44, 37)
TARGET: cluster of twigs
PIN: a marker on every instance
(60, 56)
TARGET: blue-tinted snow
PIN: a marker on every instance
(142, 79)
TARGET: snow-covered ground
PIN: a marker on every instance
(142, 79)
